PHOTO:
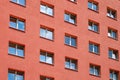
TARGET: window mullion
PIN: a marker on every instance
(70, 40)
(16, 47)
(45, 56)
(17, 24)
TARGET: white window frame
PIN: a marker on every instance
(93, 27)
(70, 41)
(94, 70)
(93, 48)
(92, 7)
(110, 14)
(113, 73)
(110, 34)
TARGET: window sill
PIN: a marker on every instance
(93, 10)
(113, 38)
(17, 29)
(95, 53)
(70, 23)
(18, 4)
(47, 14)
(114, 59)
(46, 39)
(71, 69)
(95, 75)
(112, 18)
(16, 55)
(46, 63)
(94, 31)
(71, 46)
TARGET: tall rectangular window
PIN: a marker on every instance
(71, 41)
(111, 13)
(46, 9)
(94, 48)
(16, 49)
(46, 33)
(70, 63)
(46, 57)
(21, 2)
(93, 5)
(93, 26)
(15, 75)
(46, 78)
(113, 54)
(95, 70)
(17, 23)
(112, 33)
(71, 18)
(113, 75)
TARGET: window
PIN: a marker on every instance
(93, 5)
(70, 18)
(17, 23)
(94, 48)
(93, 26)
(113, 75)
(46, 33)
(72, 0)
(69, 40)
(46, 9)
(111, 13)
(16, 49)
(15, 75)
(94, 70)
(21, 2)
(112, 33)
(46, 57)
(113, 54)
(46, 78)
(70, 63)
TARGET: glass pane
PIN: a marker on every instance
(22, 2)
(19, 77)
(96, 71)
(91, 70)
(43, 8)
(73, 66)
(14, 1)
(42, 32)
(21, 25)
(49, 11)
(73, 41)
(20, 52)
(66, 17)
(114, 34)
(13, 23)
(95, 27)
(110, 53)
(96, 49)
(67, 63)
(12, 50)
(72, 19)
(11, 76)
(67, 40)
(42, 57)
(90, 47)
(111, 76)
(94, 7)
(115, 76)
(49, 60)
(49, 35)
(90, 5)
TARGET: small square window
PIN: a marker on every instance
(21, 2)
(113, 75)
(15, 75)
(112, 33)
(17, 23)
(71, 41)
(16, 49)
(93, 26)
(46, 9)
(45, 78)
(94, 70)
(94, 48)
(71, 18)
(46, 57)
(93, 5)
(46, 33)
(113, 54)
(111, 13)
(70, 63)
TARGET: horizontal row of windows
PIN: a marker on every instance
(93, 70)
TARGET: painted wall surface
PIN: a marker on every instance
(33, 43)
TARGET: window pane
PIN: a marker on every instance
(21, 25)
(67, 40)
(20, 52)
(22, 2)
(73, 41)
(90, 5)
(90, 47)
(43, 8)
(12, 50)
(66, 17)
(49, 11)
(13, 23)
(94, 7)
(96, 71)
(111, 76)
(49, 60)
(91, 70)
(49, 35)
(115, 77)
(11, 76)
(19, 77)
(42, 32)
(110, 53)
(73, 65)
(114, 34)
(67, 63)
(43, 57)
(95, 27)
(96, 49)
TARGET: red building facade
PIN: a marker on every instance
(60, 39)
